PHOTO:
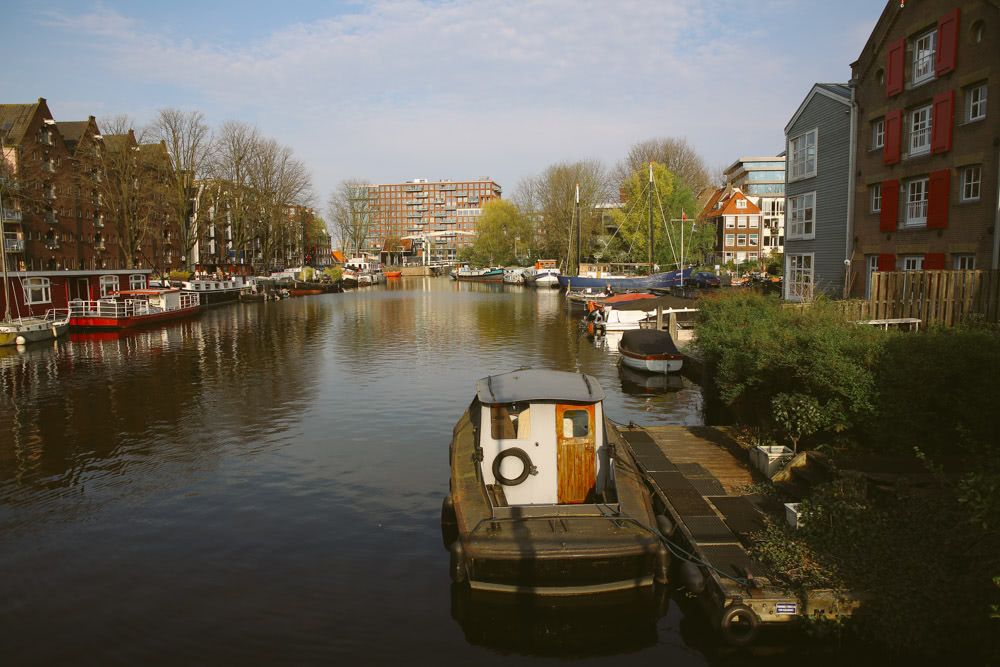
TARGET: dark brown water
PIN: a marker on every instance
(263, 484)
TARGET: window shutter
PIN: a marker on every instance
(895, 56)
(889, 215)
(946, 56)
(938, 187)
(942, 121)
(934, 261)
(893, 136)
(887, 262)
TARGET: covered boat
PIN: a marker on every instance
(544, 499)
(132, 308)
(651, 351)
(466, 274)
(620, 283)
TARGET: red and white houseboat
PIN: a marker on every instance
(132, 308)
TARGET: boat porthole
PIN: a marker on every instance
(519, 454)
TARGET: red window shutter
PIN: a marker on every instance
(895, 56)
(887, 262)
(889, 216)
(934, 261)
(942, 121)
(893, 136)
(946, 56)
(938, 189)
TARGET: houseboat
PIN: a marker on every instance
(133, 308)
(212, 292)
(544, 274)
(465, 274)
(544, 499)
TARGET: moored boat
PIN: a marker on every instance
(513, 276)
(544, 500)
(133, 308)
(650, 351)
(392, 275)
(478, 275)
(24, 330)
(621, 283)
(212, 292)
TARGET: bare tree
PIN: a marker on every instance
(352, 211)
(189, 142)
(675, 154)
(280, 183)
(232, 201)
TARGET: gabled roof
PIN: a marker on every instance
(73, 131)
(709, 209)
(15, 119)
(338, 257)
(729, 205)
(532, 384)
(839, 92)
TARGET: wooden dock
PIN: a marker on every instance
(708, 446)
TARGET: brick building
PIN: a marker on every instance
(926, 185)
(439, 217)
(738, 226)
(762, 179)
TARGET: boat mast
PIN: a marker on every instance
(649, 200)
(576, 212)
(3, 240)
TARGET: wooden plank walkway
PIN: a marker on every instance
(711, 447)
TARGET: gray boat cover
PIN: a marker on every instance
(648, 341)
(539, 384)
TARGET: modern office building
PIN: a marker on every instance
(762, 180)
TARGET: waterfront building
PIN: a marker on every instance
(437, 217)
(928, 143)
(817, 203)
(762, 179)
(738, 224)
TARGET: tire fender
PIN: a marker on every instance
(739, 625)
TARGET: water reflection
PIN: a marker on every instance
(636, 383)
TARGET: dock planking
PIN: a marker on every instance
(708, 446)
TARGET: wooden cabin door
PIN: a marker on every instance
(575, 457)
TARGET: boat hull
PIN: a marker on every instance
(650, 351)
(216, 297)
(31, 335)
(657, 280)
(652, 363)
(98, 322)
(480, 279)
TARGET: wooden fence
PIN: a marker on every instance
(935, 297)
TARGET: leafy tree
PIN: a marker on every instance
(500, 224)
(676, 154)
(798, 414)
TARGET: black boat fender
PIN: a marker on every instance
(457, 562)
(449, 522)
(692, 577)
(738, 625)
(663, 565)
(522, 456)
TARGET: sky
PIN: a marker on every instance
(392, 90)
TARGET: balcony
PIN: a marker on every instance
(49, 166)
(99, 245)
(13, 245)
(49, 195)
(99, 221)
(12, 215)
(412, 188)
(421, 195)
(50, 218)
(52, 243)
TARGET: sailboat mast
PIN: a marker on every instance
(576, 212)
(3, 242)
(650, 207)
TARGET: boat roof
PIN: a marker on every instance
(539, 384)
(144, 292)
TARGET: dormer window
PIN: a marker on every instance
(741, 203)
(923, 56)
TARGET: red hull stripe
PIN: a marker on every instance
(129, 322)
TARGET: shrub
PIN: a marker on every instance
(333, 273)
(180, 275)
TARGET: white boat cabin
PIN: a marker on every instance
(542, 438)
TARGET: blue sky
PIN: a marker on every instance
(396, 89)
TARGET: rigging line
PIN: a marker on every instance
(635, 203)
(666, 225)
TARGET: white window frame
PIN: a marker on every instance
(741, 203)
(911, 263)
(753, 240)
(43, 287)
(964, 262)
(921, 121)
(752, 222)
(876, 198)
(136, 281)
(741, 240)
(797, 225)
(975, 103)
(872, 262)
(878, 134)
(972, 182)
(924, 47)
(803, 155)
(742, 221)
(106, 282)
(799, 276)
(916, 202)
(730, 240)
(730, 222)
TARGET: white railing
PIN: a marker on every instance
(189, 300)
(57, 315)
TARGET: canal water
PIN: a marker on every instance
(263, 484)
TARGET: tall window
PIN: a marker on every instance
(972, 179)
(912, 262)
(37, 290)
(871, 261)
(802, 152)
(916, 202)
(109, 285)
(876, 191)
(964, 262)
(741, 240)
(802, 216)
(878, 133)
(753, 240)
(800, 277)
(923, 56)
(742, 221)
(920, 130)
(730, 240)
(975, 102)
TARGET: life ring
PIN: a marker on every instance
(739, 625)
(525, 460)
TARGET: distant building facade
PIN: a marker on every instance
(762, 179)
(928, 140)
(437, 217)
(738, 225)
(818, 139)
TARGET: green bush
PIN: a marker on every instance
(180, 275)
(333, 273)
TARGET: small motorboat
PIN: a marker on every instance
(650, 351)
(466, 274)
(513, 276)
(544, 497)
(23, 330)
(601, 319)
(392, 275)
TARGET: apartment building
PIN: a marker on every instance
(437, 217)
(738, 222)
(762, 179)
(928, 143)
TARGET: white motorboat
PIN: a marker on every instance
(513, 276)
(650, 351)
(23, 330)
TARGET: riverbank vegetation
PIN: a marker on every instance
(907, 422)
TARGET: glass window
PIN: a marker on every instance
(742, 221)
(972, 178)
(741, 240)
(802, 216)
(753, 239)
(730, 222)
(876, 197)
(923, 56)
(136, 281)
(916, 202)
(878, 133)
(920, 130)
(975, 102)
(109, 285)
(800, 277)
(576, 424)
(964, 262)
(730, 239)
(510, 422)
(912, 262)
(37, 290)
(802, 156)
(741, 203)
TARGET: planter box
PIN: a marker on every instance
(793, 515)
(771, 459)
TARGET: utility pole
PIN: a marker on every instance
(649, 200)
